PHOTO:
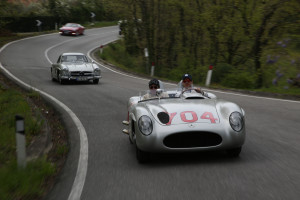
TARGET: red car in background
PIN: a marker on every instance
(72, 29)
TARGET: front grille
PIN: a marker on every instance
(192, 140)
(81, 73)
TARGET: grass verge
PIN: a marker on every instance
(36, 179)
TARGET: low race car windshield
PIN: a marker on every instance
(155, 94)
(148, 95)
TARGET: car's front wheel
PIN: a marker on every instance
(142, 156)
(52, 78)
(234, 152)
(60, 80)
(96, 81)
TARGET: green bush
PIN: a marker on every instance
(116, 54)
(239, 79)
(220, 71)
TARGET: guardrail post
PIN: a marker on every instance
(152, 69)
(21, 142)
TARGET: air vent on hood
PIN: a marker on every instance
(163, 117)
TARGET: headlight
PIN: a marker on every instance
(145, 125)
(236, 121)
(65, 72)
(97, 72)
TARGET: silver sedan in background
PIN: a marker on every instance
(75, 67)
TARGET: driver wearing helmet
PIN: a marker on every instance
(186, 85)
(153, 93)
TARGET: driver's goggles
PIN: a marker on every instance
(153, 87)
(186, 81)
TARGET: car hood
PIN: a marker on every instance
(79, 66)
(183, 111)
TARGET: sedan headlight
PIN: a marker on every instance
(236, 121)
(145, 125)
(65, 72)
(97, 72)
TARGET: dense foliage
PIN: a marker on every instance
(235, 36)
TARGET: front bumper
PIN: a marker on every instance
(80, 78)
(182, 138)
(67, 32)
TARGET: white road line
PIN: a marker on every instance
(257, 97)
(47, 50)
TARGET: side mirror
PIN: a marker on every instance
(211, 95)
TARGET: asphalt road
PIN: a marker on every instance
(268, 166)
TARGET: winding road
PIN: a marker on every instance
(102, 163)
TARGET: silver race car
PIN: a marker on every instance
(182, 122)
(75, 67)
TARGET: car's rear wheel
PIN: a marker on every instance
(142, 156)
(96, 81)
(234, 152)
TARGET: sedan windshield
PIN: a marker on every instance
(71, 25)
(74, 58)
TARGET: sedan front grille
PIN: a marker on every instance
(81, 73)
(192, 140)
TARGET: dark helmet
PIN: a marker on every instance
(154, 82)
(187, 76)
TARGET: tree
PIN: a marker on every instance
(190, 35)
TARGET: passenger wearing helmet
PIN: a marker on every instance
(153, 93)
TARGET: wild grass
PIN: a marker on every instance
(19, 183)
(24, 183)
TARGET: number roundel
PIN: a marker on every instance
(191, 116)
(183, 116)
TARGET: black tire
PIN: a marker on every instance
(96, 81)
(130, 140)
(142, 156)
(61, 81)
(234, 152)
(52, 78)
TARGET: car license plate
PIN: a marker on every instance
(81, 79)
